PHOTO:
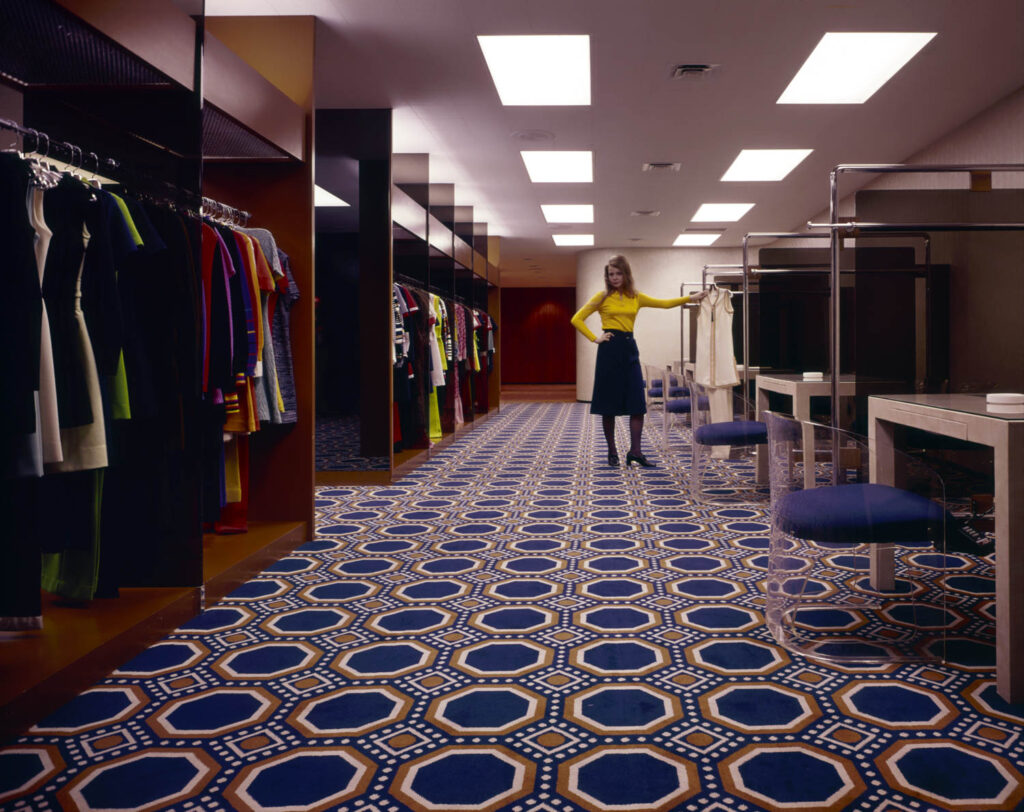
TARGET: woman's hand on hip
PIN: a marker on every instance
(603, 338)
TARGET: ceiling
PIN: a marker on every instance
(421, 58)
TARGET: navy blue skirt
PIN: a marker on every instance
(618, 380)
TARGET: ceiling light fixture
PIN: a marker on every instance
(539, 70)
(847, 68)
(764, 164)
(573, 239)
(559, 166)
(721, 212)
(323, 199)
(568, 212)
(696, 238)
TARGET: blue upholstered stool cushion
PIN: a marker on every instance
(657, 388)
(684, 405)
(736, 432)
(861, 513)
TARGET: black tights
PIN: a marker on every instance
(636, 430)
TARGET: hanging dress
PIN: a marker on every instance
(83, 435)
(49, 425)
(715, 362)
(20, 313)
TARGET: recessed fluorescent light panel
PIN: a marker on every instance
(324, 199)
(559, 166)
(696, 238)
(573, 239)
(568, 213)
(721, 212)
(848, 68)
(764, 164)
(539, 70)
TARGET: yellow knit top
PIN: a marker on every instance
(618, 312)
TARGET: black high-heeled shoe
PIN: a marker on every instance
(640, 460)
(613, 459)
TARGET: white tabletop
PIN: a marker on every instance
(964, 403)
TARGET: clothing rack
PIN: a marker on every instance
(404, 279)
(781, 235)
(224, 212)
(706, 268)
(747, 269)
(76, 158)
(731, 291)
(412, 282)
(43, 145)
(837, 230)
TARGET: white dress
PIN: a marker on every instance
(715, 362)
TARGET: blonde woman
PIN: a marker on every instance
(618, 381)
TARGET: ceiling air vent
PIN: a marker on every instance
(661, 166)
(533, 136)
(693, 71)
(645, 213)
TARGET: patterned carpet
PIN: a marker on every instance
(337, 446)
(517, 626)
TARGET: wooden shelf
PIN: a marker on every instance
(79, 645)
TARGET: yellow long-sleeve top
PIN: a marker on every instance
(618, 312)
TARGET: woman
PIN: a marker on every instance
(618, 382)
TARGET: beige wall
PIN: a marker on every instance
(658, 272)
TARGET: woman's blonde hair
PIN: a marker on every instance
(621, 263)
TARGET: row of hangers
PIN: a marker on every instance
(711, 286)
(47, 170)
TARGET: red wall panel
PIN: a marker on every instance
(538, 344)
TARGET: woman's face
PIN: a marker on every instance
(615, 276)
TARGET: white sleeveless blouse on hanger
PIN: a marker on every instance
(715, 363)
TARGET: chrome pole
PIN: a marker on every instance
(834, 293)
(746, 331)
(854, 226)
(704, 272)
(919, 168)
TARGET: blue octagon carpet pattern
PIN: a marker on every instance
(516, 626)
(337, 447)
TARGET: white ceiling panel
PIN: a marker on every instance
(422, 58)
